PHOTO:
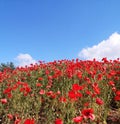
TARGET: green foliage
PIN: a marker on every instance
(9, 65)
(60, 90)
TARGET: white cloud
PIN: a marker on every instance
(109, 48)
(24, 59)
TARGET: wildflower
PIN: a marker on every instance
(114, 89)
(76, 87)
(62, 99)
(99, 77)
(96, 88)
(88, 92)
(77, 119)
(51, 94)
(9, 95)
(111, 83)
(99, 101)
(29, 121)
(118, 93)
(42, 92)
(17, 121)
(3, 101)
(58, 121)
(79, 75)
(117, 97)
(86, 104)
(88, 113)
(10, 116)
(25, 84)
(58, 92)
(7, 90)
(72, 95)
(38, 84)
(27, 89)
(79, 95)
(112, 73)
(40, 78)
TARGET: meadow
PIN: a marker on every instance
(61, 92)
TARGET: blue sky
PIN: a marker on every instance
(57, 29)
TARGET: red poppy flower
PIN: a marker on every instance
(76, 87)
(10, 116)
(62, 99)
(3, 101)
(38, 84)
(118, 93)
(117, 98)
(42, 92)
(99, 101)
(96, 88)
(79, 75)
(58, 121)
(58, 92)
(72, 95)
(77, 119)
(111, 83)
(40, 78)
(99, 77)
(29, 121)
(17, 121)
(7, 90)
(86, 104)
(88, 113)
(79, 95)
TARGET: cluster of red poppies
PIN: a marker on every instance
(64, 91)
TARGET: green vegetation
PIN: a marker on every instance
(60, 92)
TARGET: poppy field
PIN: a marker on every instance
(61, 92)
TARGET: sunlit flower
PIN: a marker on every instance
(111, 83)
(10, 116)
(29, 121)
(88, 113)
(99, 101)
(38, 84)
(17, 121)
(40, 78)
(58, 121)
(62, 99)
(72, 95)
(42, 92)
(76, 87)
(78, 119)
(3, 101)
